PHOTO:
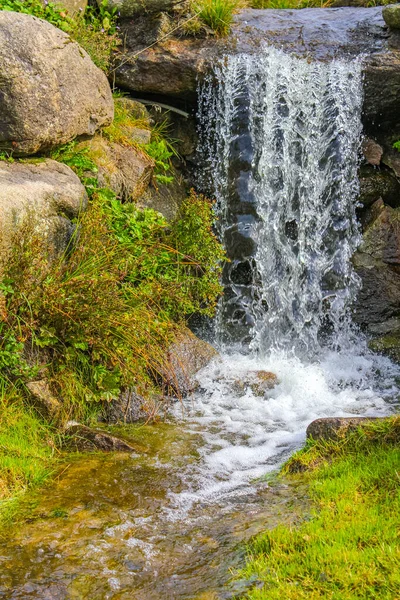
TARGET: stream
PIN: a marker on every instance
(279, 149)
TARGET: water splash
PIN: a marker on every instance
(283, 134)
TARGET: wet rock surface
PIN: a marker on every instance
(84, 438)
(128, 408)
(377, 262)
(61, 95)
(187, 355)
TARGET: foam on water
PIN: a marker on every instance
(247, 435)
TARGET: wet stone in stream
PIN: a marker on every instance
(110, 528)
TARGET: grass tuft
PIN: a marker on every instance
(217, 14)
(27, 445)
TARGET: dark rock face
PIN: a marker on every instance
(129, 8)
(376, 184)
(382, 93)
(377, 262)
(128, 408)
(170, 68)
(330, 427)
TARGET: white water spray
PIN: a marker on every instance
(304, 127)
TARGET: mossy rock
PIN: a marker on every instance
(391, 15)
(389, 345)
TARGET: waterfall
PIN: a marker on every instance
(280, 141)
(279, 151)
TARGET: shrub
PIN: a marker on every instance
(103, 315)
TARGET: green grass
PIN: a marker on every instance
(349, 549)
(27, 446)
(217, 14)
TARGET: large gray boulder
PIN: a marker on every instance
(43, 196)
(50, 90)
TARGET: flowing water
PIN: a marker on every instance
(279, 145)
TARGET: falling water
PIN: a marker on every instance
(279, 147)
(283, 134)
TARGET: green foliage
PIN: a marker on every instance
(124, 121)
(161, 154)
(349, 548)
(175, 268)
(26, 444)
(103, 314)
(95, 30)
(396, 145)
(217, 14)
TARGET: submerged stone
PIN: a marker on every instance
(85, 438)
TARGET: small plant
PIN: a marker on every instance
(217, 14)
(26, 444)
(396, 145)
